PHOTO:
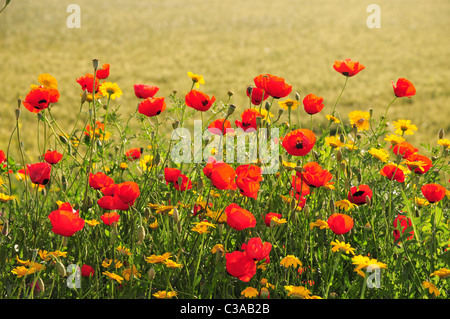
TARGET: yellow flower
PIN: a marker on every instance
(298, 292)
(266, 115)
(363, 262)
(161, 208)
(217, 216)
(334, 141)
(110, 90)
(360, 120)
(22, 262)
(415, 164)
(172, 264)
(319, 223)
(394, 139)
(23, 271)
(444, 142)
(218, 249)
(288, 165)
(123, 251)
(249, 292)
(442, 273)
(275, 221)
(404, 127)
(113, 276)
(290, 260)
(351, 146)
(126, 273)
(380, 154)
(158, 259)
(4, 198)
(48, 81)
(289, 104)
(431, 288)
(342, 247)
(164, 294)
(345, 204)
(123, 166)
(202, 227)
(92, 222)
(47, 255)
(146, 162)
(107, 262)
(421, 202)
(196, 78)
(153, 225)
(333, 119)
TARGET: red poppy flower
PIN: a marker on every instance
(403, 88)
(127, 192)
(314, 175)
(357, 195)
(152, 106)
(393, 172)
(119, 196)
(221, 174)
(39, 172)
(433, 192)
(273, 85)
(2, 156)
(144, 91)
(404, 222)
(110, 218)
(299, 186)
(99, 180)
(257, 250)
(301, 199)
(247, 186)
(52, 157)
(239, 265)
(348, 67)
(239, 218)
(313, 104)
(107, 202)
(134, 153)
(87, 271)
(184, 184)
(299, 142)
(103, 73)
(269, 216)
(171, 174)
(250, 171)
(39, 99)
(248, 120)
(220, 127)
(87, 83)
(66, 221)
(199, 100)
(404, 149)
(256, 95)
(422, 169)
(340, 223)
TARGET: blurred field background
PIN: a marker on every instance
(229, 42)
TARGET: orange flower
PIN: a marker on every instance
(39, 172)
(134, 153)
(103, 73)
(87, 83)
(299, 142)
(348, 67)
(144, 91)
(239, 218)
(433, 192)
(199, 100)
(152, 106)
(393, 172)
(99, 180)
(418, 163)
(221, 174)
(66, 221)
(340, 223)
(40, 98)
(314, 175)
(110, 218)
(403, 88)
(52, 157)
(313, 104)
(256, 95)
(404, 149)
(405, 222)
(273, 85)
(248, 121)
(220, 126)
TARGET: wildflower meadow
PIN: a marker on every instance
(209, 200)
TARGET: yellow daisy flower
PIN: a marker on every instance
(298, 292)
(363, 262)
(360, 120)
(289, 104)
(381, 154)
(196, 78)
(334, 141)
(164, 294)
(290, 260)
(442, 273)
(444, 142)
(172, 264)
(275, 221)
(404, 127)
(345, 204)
(158, 259)
(92, 222)
(342, 247)
(4, 198)
(218, 248)
(333, 119)
(48, 81)
(319, 223)
(126, 273)
(431, 288)
(202, 227)
(394, 139)
(113, 276)
(123, 251)
(110, 90)
(249, 292)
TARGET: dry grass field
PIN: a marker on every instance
(229, 42)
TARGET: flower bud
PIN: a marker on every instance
(175, 124)
(368, 201)
(267, 106)
(441, 133)
(297, 96)
(140, 234)
(95, 64)
(338, 155)
(151, 274)
(60, 269)
(17, 112)
(367, 227)
(258, 120)
(231, 109)
(175, 215)
(332, 207)
(230, 93)
(83, 97)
